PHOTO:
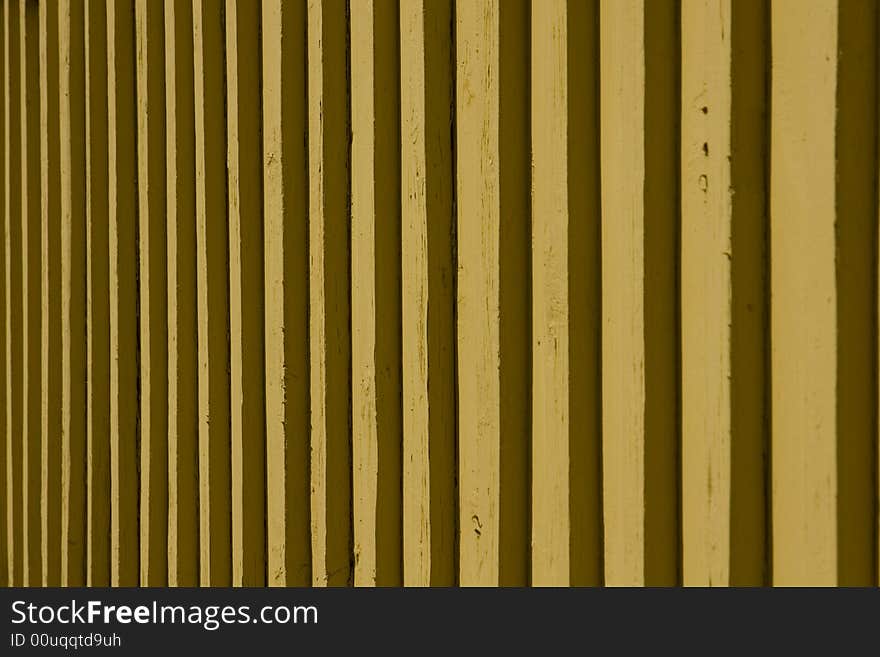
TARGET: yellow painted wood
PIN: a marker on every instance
(123, 263)
(13, 346)
(375, 291)
(97, 299)
(329, 306)
(286, 239)
(427, 303)
(215, 531)
(30, 285)
(493, 291)
(244, 157)
(639, 109)
(50, 300)
(152, 281)
(5, 493)
(566, 478)
(73, 292)
(722, 289)
(183, 509)
(822, 205)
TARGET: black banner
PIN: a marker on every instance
(423, 621)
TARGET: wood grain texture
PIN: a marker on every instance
(493, 291)
(180, 191)
(566, 510)
(329, 293)
(375, 293)
(639, 110)
(286, 272)
(73, 293)
(723, 287)
(823, 222)
(97, 299)
(50, 299)
(123, 268)
(430, 518)
(31, 256)
(248, 409)
(215, 531)
(11, 237)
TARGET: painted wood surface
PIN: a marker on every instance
(439, 292)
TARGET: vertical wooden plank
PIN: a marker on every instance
(566, 473)
(73, 292)
(285, 187)
(246, 293)
(375, 291)
(50, 236)
(12, 236)
(122, 238)
(31, 380)
(5, 493)
(152, 280)
(493, 311)
(639, 113)
(823, 225)
(722, 288)
(329, 309)
(183, 527)
(856, 233)
(97, 298)
(428, 299)
(215, 536)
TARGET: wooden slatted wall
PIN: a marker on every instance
(439, 292)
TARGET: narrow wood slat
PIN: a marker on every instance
(375, 291)
(73, 292)
(427, 303)
(566, 474)
(329, 307)
(152, 280)
(31, 255)
(215, 534)
(285, 188)
(123, 262)
(244, 157)
(722, 288)
(6, 565)
(639, 114)
(183, 523)
(50, 298)
(493, 310)
(97, 298)
(823, 214)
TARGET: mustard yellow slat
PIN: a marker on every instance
(50, 244)
(329, 305)
(493, 291)
(375, 290)
(5, 493)
(97, 298)
(566, 477)
(183, 524)
(244, 157)
(215, 562)
(639, 113)
(430, 553)
(149, 22)
(31, 307)
(723, 276)
(286, 271)
(73, 292)
(823, 205)
(123, 262)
